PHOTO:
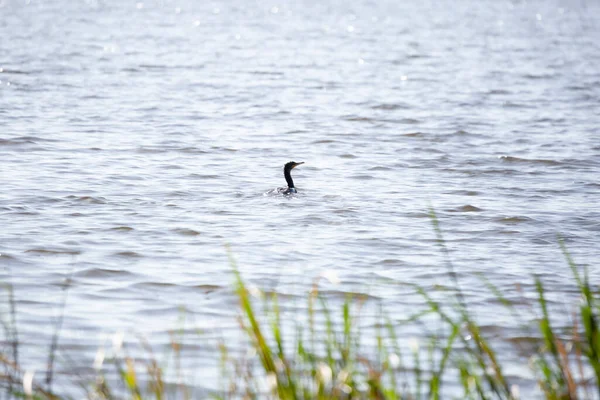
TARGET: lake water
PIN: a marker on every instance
(137, 139)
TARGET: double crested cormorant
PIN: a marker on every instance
(288, 178)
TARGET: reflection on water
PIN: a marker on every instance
(137, 141)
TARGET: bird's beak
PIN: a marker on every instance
(298, 164)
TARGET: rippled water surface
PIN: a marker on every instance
(138, 139)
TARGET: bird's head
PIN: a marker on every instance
(291, 165)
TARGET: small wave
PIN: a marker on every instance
(551, 120)
(464, 192)
(461, 132)
(543, 241)
(228, 149)
(513, 220)
(341, 294)
(402, 121)
(207, 288)
(344, 211)
(166, 149)
(269, 73)
(391, 106)
(150, 150)
(159, 67)
(172, 166)
(191, 150)
(6, 256)
(186, 232)
(20, 210)
(348, 155)
(499, 92)
(54, 252)
(414, 134)
(326, 141)
(416, 56)
(406, 121)
(466, 208)
(390, 261)
(380, 168)
(23, 140)
(122, 228)
(128, 254)
(492, 171)
(539, 76)
(418, 215)
(509, 232)
(356, 118)
(203, 176)
(294, 131)
(100, 273)
(14, 71)
(527, 160)
(510, 104)
(88, 199)
(153, 66)
(153, 285)
(362, 177)
(577, 88)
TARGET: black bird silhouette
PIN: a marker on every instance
(287, 168)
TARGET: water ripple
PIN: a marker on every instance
(134, 153)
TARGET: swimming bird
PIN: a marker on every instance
(288, 178)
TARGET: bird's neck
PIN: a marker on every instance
(288, 178)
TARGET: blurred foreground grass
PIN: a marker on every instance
(330, 358)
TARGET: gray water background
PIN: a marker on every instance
(137, 139)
